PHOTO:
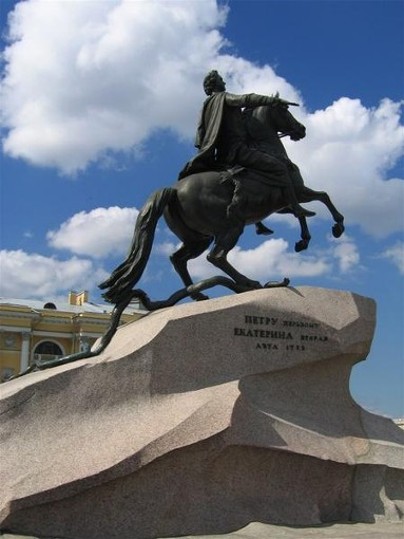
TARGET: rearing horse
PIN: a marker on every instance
(195, 209)
(266, 126)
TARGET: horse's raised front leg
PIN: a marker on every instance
(308, 195)
(304, 234)
(180, 260)
(302, 244)
(224, 243)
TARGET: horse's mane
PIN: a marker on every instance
(253, 126)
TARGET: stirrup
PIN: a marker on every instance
(302, 212)
(263, 230)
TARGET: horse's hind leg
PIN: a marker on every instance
(218, 256)
(308, 195)
(180, 259)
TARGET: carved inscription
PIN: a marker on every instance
(274, 333)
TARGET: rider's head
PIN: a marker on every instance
(213, 82)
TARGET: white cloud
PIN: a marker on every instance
(396, 255)
(270, 261)
(347, 254)
(348, 152)
(96, 233)
(25, 275)
(83, 79)
(273, 260)
(166, 248)
(86, 77)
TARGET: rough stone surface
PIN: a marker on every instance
(257, 530)
(201, 418)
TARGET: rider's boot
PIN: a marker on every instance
(298, 210)
(262, 230)
(238, 203)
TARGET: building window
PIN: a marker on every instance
(47, 350)
(10, 341)
(50, 305)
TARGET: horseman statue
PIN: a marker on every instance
(240, 175)
(223, 142)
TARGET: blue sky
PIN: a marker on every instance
(99, 106)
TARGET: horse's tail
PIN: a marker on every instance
(127, 274)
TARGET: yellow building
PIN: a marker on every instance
(33, 329)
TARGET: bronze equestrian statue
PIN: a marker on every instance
(223, 142)
(240, 176)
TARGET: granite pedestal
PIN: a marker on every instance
(201, 418)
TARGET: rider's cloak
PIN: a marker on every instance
(206, 136)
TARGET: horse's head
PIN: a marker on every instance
(276, 119)
(284, 122)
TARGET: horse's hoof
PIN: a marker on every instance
(246, 285)
(263, 230)
(254, 285)
(277, 284)
(301, 246)
(199, 297)
(338, 230)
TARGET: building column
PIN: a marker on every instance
(24, 360)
